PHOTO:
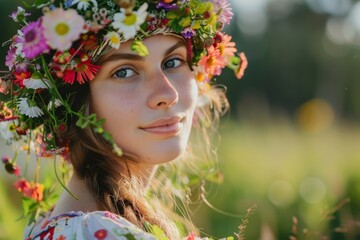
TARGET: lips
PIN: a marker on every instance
(165, 126)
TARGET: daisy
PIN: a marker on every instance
(223, 8)
(33, 41)
(7, 129)
(30, 111)
(62, 28)
(84, 4)
(114, 39)
(36, 83)
(129, 24)
(54, 103)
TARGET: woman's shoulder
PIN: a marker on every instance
(80, 225)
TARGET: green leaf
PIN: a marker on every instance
(139, 48)
(29, 205)
(158, 232)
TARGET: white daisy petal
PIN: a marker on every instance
(62, 28)
(26, 109)
(114, 39)
(128, 25)
(35, 83)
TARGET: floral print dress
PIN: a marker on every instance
(78, 225)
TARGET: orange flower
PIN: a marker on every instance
(61, 237)
(226, 47)
(213, 62)
(35, 192)
(242, 66)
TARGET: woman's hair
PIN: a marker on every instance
(107, 175)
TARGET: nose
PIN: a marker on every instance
(163, 94)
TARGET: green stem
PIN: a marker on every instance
(61, 183)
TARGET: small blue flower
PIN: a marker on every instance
(68, 3)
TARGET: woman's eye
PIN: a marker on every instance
(124, 73)
(173, 63)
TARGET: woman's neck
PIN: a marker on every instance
(85, 200)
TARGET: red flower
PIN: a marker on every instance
(82, 70)
(100, 234)
(19, 78)
(22, 185)
(191, 236)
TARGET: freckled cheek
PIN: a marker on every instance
(189, 93)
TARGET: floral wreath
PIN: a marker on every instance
(59, 50)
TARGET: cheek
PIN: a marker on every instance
(188, 93)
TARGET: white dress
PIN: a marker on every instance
(98, 225)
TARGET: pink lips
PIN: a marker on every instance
(166, 126)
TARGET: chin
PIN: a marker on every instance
(163, 155)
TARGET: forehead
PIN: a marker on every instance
(153, 43)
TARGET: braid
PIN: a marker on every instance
(105, 176)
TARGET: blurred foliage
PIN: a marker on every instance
(287, 172)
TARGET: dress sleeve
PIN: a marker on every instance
(107, 226)
(99, 225)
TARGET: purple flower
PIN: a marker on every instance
(167, 6)
(188, 32)
(10, 58)
(225, 10)
(22, 66)
(33, 41)
(19, 15)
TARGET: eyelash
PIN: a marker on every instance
(181, 62)
(124, 69)
(127, 69)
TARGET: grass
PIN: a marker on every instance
(296, 178)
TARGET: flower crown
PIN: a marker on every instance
(59, 51)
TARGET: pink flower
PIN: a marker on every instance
(22, 185)
(226, 47)
(19, 15)
(212, 62)
(10, 58)
(33, 41)
(62, 28)
(225, 10)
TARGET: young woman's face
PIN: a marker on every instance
(148, 102)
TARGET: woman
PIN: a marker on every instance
(114, 87)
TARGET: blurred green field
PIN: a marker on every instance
(279, 167)
(287, 172)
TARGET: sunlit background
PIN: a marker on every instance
(290, 144)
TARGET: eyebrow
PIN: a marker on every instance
(136, 57)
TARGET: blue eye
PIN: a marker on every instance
(173, 63)
(124, 73)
